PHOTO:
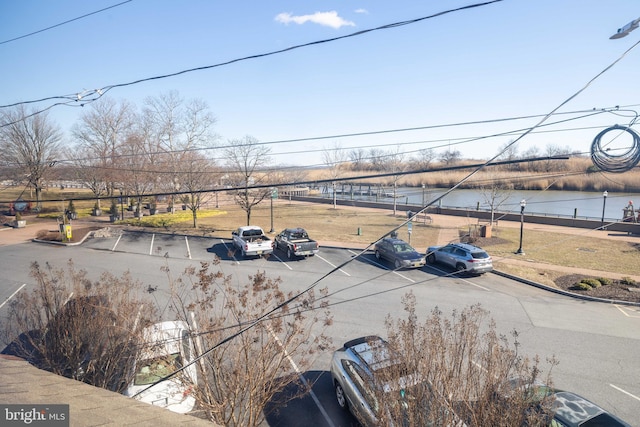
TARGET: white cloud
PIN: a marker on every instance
(365, 11)
(329, 19)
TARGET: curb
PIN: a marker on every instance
(89, 234)
(563, 292)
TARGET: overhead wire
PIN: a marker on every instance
(61, 24)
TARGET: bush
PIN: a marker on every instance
(627, 281)
(594, 283)
(604, 281)
(581, 286)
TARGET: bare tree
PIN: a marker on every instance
(31, 144)
(247, 160)
(394, 163)
(450, 157)
(357, 157)
(463, 370)
(334, 157)
(100, 134)
(194, 174)
(71, 326)
(496, 193)
(509, 153)
(248, 336)
(423, 158)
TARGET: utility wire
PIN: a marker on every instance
(59, 25)
(94, 94)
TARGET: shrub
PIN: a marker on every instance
(581, 286)
(627, 281)
(594, 283)
(604, 281)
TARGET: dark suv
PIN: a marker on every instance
(461, 256)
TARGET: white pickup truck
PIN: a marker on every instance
(251, 241)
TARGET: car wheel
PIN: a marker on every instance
(431, 259)
(289, 254)
(340, 397)
(397, 264)
(377, 255)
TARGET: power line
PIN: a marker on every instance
(63, 23)
(94, 94)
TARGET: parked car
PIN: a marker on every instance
(251, 241)
(399, 252)
(296, 242)
(167, 348)
(353, 372)
(572, 410)
(461, 256)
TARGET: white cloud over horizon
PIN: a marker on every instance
(328, 19)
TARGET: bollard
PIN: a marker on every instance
(359, 231)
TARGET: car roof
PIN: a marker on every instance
(467, 247)
(575, 410)
(372, 351)
(394, 240)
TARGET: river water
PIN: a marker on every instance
(579, 204)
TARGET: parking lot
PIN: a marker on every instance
(597, 344)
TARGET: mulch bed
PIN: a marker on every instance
(77, 234)
(615, 291)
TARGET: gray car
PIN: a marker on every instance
(353, 371)
(461, 256)
(399, 252)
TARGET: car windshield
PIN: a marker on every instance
(153, 370)
(402, 247)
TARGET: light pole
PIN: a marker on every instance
(604, 203)
(423, 186)
(273, 195)
(121, 206)
(523, 203)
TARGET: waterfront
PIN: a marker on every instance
(578, 204)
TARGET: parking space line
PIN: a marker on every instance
(386, 268)
(280, 259)
(153, 237)
(116, 243)
(12, 295)
(625, 392)
(623, 310)
(303, 379)
(188, 249)
(460, 278)
(339, 269)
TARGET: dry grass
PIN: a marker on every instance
(582, 251)
(323, 223)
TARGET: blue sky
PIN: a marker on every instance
(508, 59)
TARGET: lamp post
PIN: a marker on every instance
(121, 206)
(423, 186)
(523, 203)
(274, 194)
(604, 203)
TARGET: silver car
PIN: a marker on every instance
(356, 369)
(461, 256)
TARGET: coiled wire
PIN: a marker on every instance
(615, 163)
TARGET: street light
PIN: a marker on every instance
(523, 203)
(604, 203)
(423, 186)
(121, 206)
(274, 194)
